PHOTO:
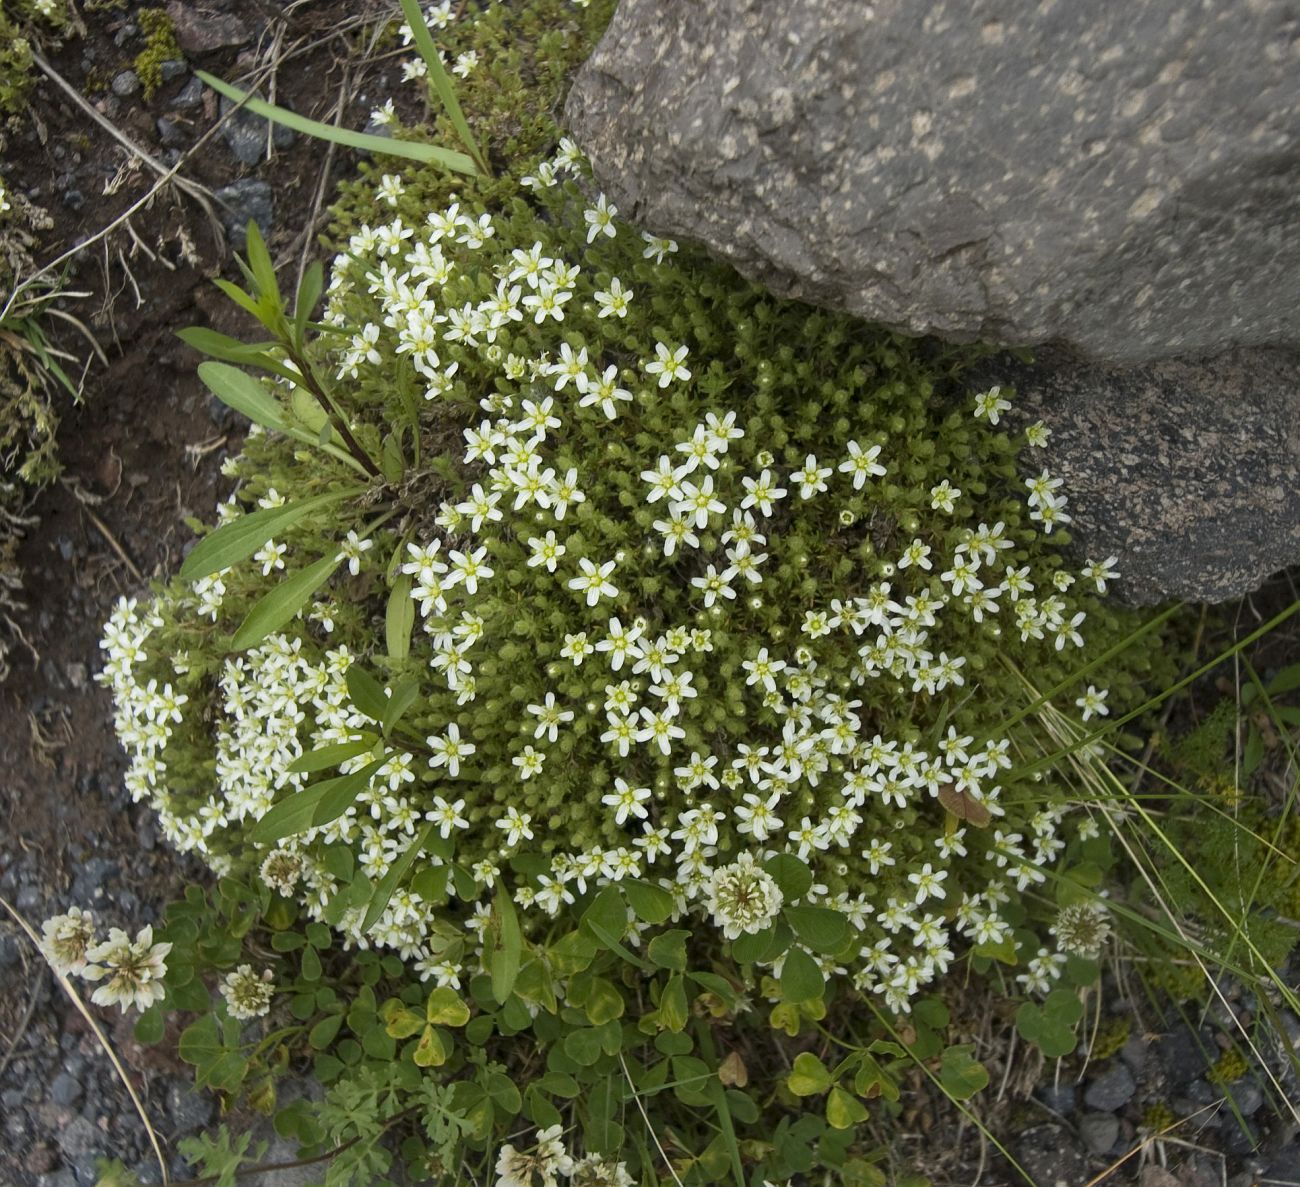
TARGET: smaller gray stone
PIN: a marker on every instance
(66, 1089)
(1060, 1098)
(245, 134)
(1050, 1155)
(79, 1140)
(173, 68)
(190, 1108)
(190, 95)
(169, 132)
(66, 1177)
(1135, 1053)
(200, 30)
(1099, 1131)
(1246, 1095)
(1113, 1089)
(242, 201)
(126, 84)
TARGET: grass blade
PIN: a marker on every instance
(378, 145)
(280, 604)
(442, 83)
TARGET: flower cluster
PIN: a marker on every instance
(680, 611)
(132, 971)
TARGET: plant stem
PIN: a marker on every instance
(312, 384)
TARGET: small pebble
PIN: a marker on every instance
(1111, 1090)
(1099, 1131)
(126, 84)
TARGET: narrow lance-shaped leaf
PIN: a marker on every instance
(240, 391)
(378, 145)
(507, 953)
(399, 618)
(393, 879)
(282, 603)
(312, 806)
(238, 540)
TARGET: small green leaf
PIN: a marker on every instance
(324, 1032)
(366, 692)
(961, 1075)
(608, 913)
(430, 1051)
(400, 698)
(281, 605)
(312, 806)
(149, 1026)
(313, 281)
(801, 979)
(673, 1010)
(399, 618)
(446, 1008)
(652, 903)
(326, 757)
(809, 1077)
(820, 928)
(792, 875)
(507, 949)
(668, 950)
(844, 1111)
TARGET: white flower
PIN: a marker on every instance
(668, 364)
(516, 825)
(991, 404)
(943, 496)
(545, 551)
(614, 300)
(134, 970)
(448, 749)
(66, 940)
(812, 478)
(862, 464)
(247, 994)
(1100, 572)
(743, 897)
(600, 219)
(626, 801)
(761, 492)
(594, 581)
(656, 248)
(1094, 702)
(352, 550)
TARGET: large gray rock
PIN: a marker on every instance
(1187, 470)
(1120, 177)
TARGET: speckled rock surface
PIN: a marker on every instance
(1187, 470)
(1122, 178)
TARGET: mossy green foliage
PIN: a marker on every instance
(474, 1007)
(22, 21)
(160, 45)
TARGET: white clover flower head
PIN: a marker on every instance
(67, 939)
(1082, 929)
(743, 897)
(131, 969)
(248, 994)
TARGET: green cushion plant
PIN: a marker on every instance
(615, 702)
